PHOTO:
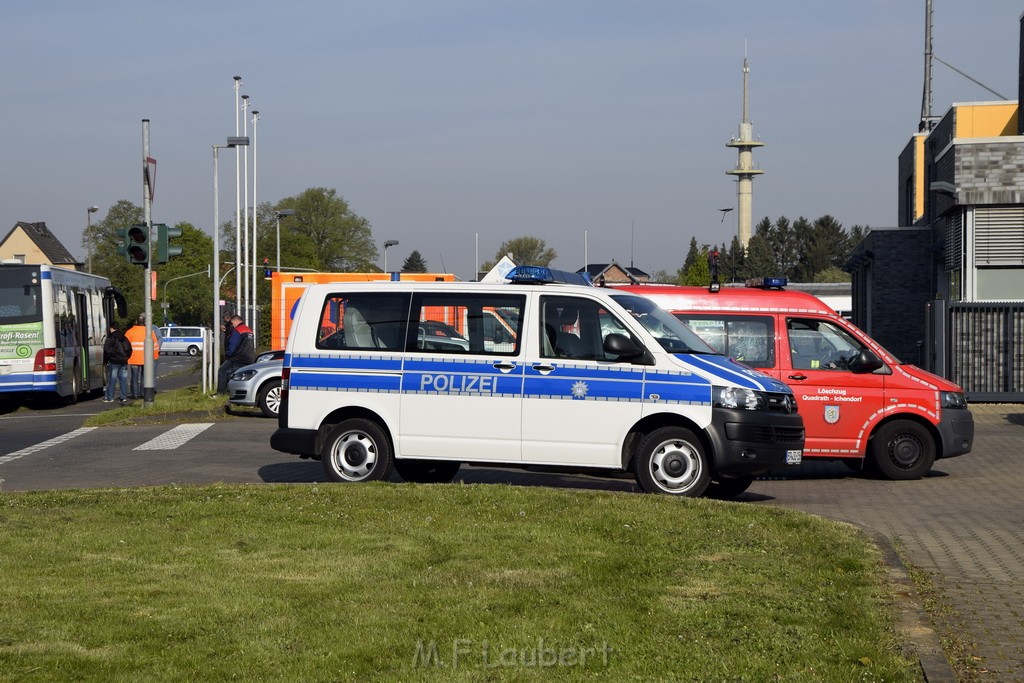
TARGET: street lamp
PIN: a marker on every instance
(387, 245)
(235, 141)
(88, 230)
(283, 213)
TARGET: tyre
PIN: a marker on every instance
(357, 450)
(193, 350)
(269, 397)
(902, 449)
(427, 471)
(76, 387)
(671, 461)
(728, 488)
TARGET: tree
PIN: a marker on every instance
(691, 256)
(102, 240)
(759, 261)
(414, 263)
(525, 251)
(823, 245)
(325, 227)
(698, 273)
(189, 297)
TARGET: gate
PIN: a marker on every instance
(980, 346)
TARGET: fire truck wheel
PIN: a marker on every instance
(903, 449)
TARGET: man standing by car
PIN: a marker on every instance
(136, 334)
(240, 350)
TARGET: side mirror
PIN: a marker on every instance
(620, 345)
(866, 361)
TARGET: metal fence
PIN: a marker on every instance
(980, 346)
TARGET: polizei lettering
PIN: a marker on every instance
(459, 384)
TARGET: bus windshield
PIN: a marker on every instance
(20, 298)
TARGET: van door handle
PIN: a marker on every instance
(505, 366)
(799, 377)
(544, 368)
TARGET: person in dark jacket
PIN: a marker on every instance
(239, 351)
(116, 352)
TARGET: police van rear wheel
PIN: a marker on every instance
(427, 471)
(902, 450)
(671, 461)
(193, 350)
(357, 450)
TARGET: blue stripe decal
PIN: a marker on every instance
(460, 376)
(731, 371)
(46, 275)
(581, 382)
(345, 381)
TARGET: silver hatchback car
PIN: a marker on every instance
(258, 384)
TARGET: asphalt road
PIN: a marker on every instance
(963, 523)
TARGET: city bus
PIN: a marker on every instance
(53, 322)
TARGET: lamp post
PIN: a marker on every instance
(283, 213)
(214, 327)
(88, 230)
(387, 245)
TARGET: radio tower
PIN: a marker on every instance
(744, 170)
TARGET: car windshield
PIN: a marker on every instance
(674, 336)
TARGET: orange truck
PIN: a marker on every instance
(860, 404)
(286, 289)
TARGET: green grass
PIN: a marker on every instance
(360, 582)
(174, 405)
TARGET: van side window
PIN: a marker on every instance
(820, 345)
(748, 339)
(363, 321)
(488, 324)
(575, 328)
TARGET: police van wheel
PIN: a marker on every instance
(427, 471)
(671, 461)
(728, 488)
(902, 450)
(357, 450)
(193, 350)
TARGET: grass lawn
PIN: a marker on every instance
(416, 582)
(175, 405)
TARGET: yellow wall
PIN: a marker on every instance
(919, 175)
(20, 243)
(986, 120)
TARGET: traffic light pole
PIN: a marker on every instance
(148, 383)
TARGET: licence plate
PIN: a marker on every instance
(794, 457)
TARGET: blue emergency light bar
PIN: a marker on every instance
(540, 275)
(767, 282)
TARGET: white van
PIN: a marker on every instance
(179, 339)
(581, 378)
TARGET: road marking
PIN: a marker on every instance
(174, 438)
(45, 444)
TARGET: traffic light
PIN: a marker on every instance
(164, 250)
(134, 244)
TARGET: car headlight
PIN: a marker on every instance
(953, 399)
(243, 376)
(740, 398)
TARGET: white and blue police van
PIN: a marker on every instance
(577, 378)
(179, 339)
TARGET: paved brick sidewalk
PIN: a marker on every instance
(964, 524)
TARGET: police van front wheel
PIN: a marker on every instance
(357, 450)
(671, 461)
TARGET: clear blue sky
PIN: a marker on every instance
(445, 120)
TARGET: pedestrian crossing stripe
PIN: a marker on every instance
(174, 438)
(14, 455)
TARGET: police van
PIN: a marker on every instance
(578, 377)
(860, 404)
(178, 339)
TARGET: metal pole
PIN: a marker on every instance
(279, 243)
(238, 199)
(246, 300)
(148, 385)
(88, 230)
(215, 325)
(255, 310)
